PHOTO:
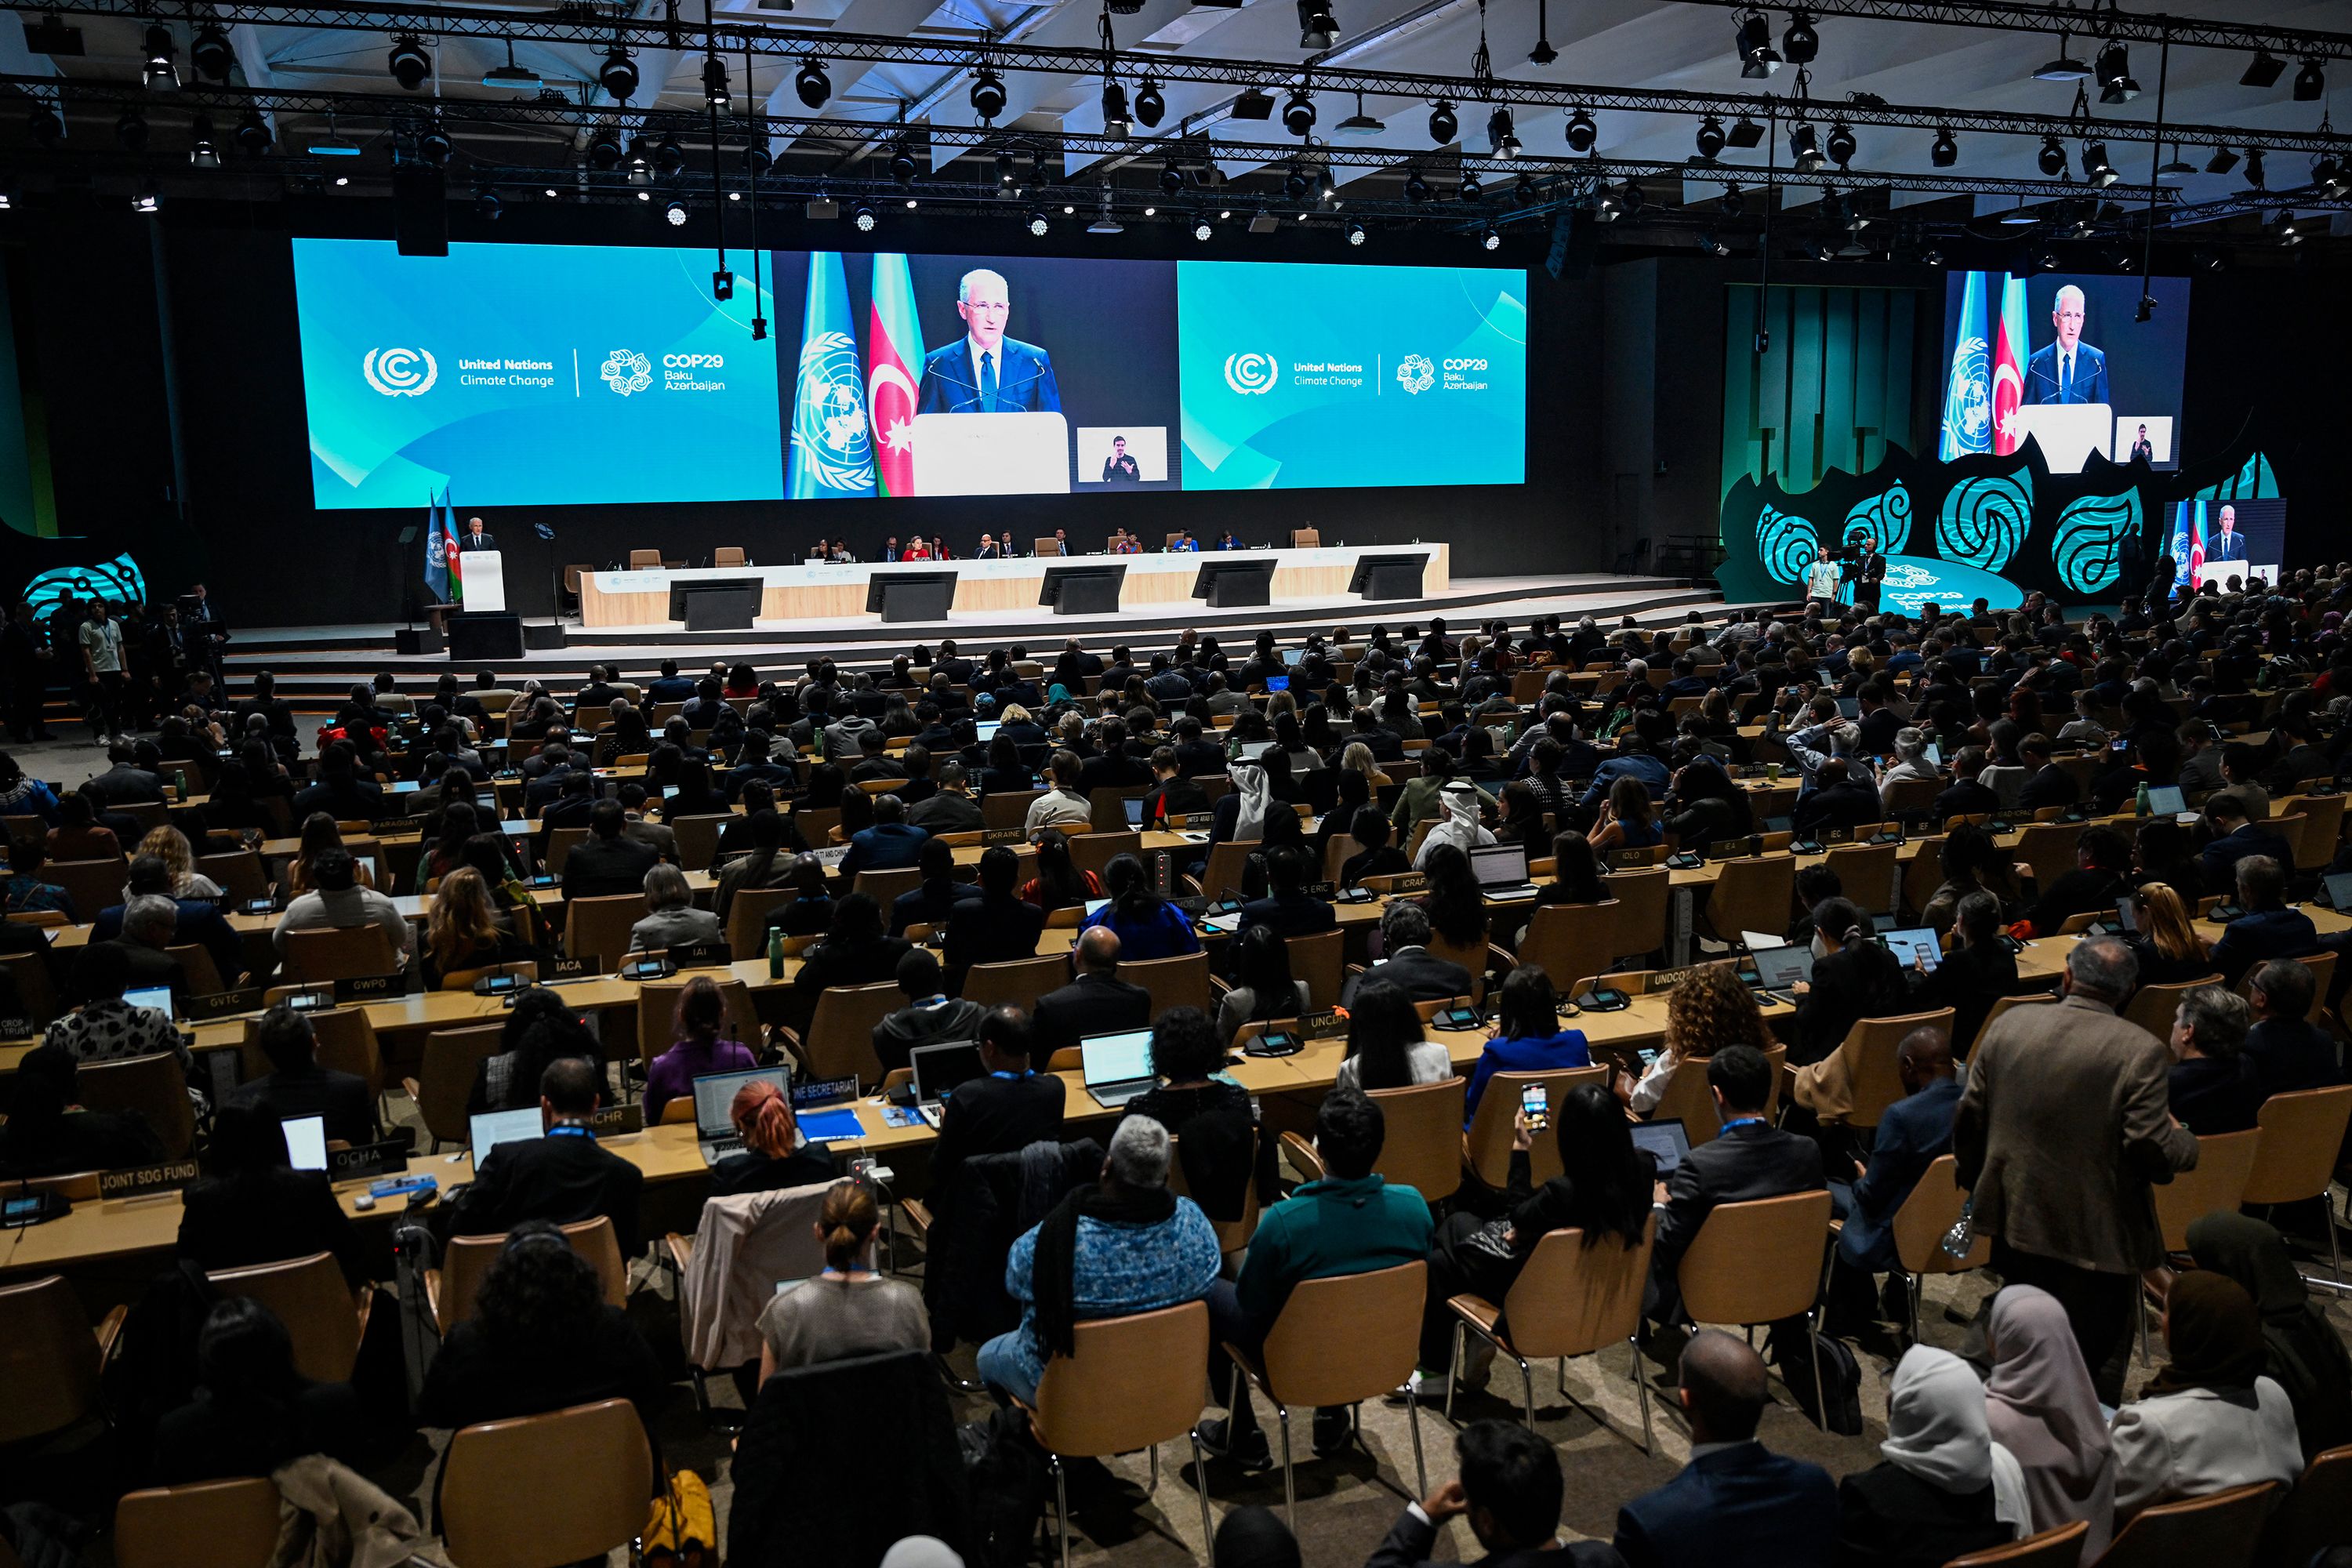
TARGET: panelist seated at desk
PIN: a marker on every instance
(253, 1207)
(49, 1133)
(563, 1177)
(608, 862)
(297, 1086)
(891, 844)
(1096, 1003)
(675, 921)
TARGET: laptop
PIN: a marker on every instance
(714, 1097)
(487, 1131)
(306, 1142)
(1849, 707)
(1292, 656)
(1117, 1067)
(1778, 968)
(1666, 1141)
(939, 1070)
(1501, 871)
(1277, 683)
(156, 996)
(1255, 751)
(2339, 890)
(1914, 944)
(984, 731)
(1134, 804)
(1935, 755)
(2166, 800)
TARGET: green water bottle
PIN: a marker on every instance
(2139, 799)
(775, 954)
(180, 782)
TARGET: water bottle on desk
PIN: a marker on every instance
(775, 954)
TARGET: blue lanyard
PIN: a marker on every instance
(571, 1130)
(1743, 1122)
(1015, 1076)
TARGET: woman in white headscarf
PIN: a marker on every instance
(1460, 824)
(2041, 1407)
(1252, 790)
(1946, 1488)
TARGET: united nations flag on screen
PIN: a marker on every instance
(833, 445)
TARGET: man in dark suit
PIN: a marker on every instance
(1113, 767)
(996, 927)
(200, 920)
(1913, 1133)
(1867, 573)
(2234, 838)
(890, 844)
(1425, 976)
(475, 539)
(124, 783)
(2227, 544)
(671, 687)
(935, 900)
(562, 1178)
(1508, 1483)
(1750, 1158)
(984, 371)
(2067, 370)
(1287, 906)
(298, 1086)
(1966, 797)
(599, 691)
(147, 925)
(1096, 1003)
(1839, 798)
(2288, 1050)
(1009, 1110)
(950, 808)
(575, 804)
(2143, 450)
(2046, 783)
(607, 861)
(2268, 929)
(1736, 1501)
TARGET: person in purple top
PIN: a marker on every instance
(699, 1050)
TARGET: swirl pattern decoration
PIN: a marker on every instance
(2092, 535)
(1886, 516)
(119, 581)
(1785, 544)
(1984, 520)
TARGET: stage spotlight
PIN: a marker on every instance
(2255, 167)
(987, 95)
(1006, 176)
(159, 71)
(674, 213)
(410, 65)
(1500, 135)
(2116, 83)
(1833, 208)
(757, 158)
(1745, 134)
(1945, 152)
(2062, 67)
(486, 205)
(1758, 58)
(1299, 113)
(1114, 107)
(1355, 232)
(203, 153)
(2097, 167)
(1151, 103)
(1469, 190)
(2222, 161)
(2053, 157)
(902, 164)
(1523, 190)
(1582, 131)
(211, 53)
(1734, 204)
(1442, 125)
(150, 199)
(1171, 178)
(813, 85)
(864, 218)
(1933, 256)
(433, 144)
(1416, 189)
(1710, 138)
(2310, 82)
(1490, 238)
(1203, 229)
(2329, 177)
(669, 157)
(1842, 144)
(605, 148)
(1800, 44)
(130, 130)
(44, 126)
(618, 75)
(2262, 69)
(1038, 222)
(1295, 183)
(714, 81)
(1803, 151)
(253, 134)
(2282, 229)
(1317, 28)
(1708, 243)
(1632, 197)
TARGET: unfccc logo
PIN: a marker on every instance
(1251, 373)
(1416, 374)
(626, 370)
(400, 373)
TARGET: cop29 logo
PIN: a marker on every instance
(1251, 373)
(626, 370)
(1416, 374)
(400, 373)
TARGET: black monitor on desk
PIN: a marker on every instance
(910, 595)
(1389, 576)
(716, 604)
(1234, 579)
(1091, 589)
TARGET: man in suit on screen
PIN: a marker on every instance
(475, 539)
(984, 371)
(2227, 544)
(2069, 370)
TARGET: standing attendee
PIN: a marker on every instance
(102, 669)
(2062, 1125)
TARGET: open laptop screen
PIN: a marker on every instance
(1499, 865)
(306, 1142)
(2166, 800)
(714, 1096)
(156, 996)
(1665, 1140)
(1122, 1058)
(941, 1068)
(1778, 968)
(487, 1131)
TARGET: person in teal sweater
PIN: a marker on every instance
(1350, 1221)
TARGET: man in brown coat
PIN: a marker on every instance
(2064, 1124)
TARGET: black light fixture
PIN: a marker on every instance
(1295, 183)
(605, 148)
(1745, 134)
(159, 71)
(1632, 195)
(1582, 131)
(1442, 126)
(130, 130)
(2097, 167)
(1945, 150)
(1355, 232)
(51, 36)
(714, 81)
(2145, 311)
(433, 144)
(987, 95)
(2053, 157)
(150, 199)
(510, 76)
(812, 83)
(2311, 81)
(1116, 120)
(1469, 190)
(2282, 229)
(410, 65)
(2262, 69)
(669, 157)
(1299, 113)
(1710, 138)
(44, 125)
(211, 53)
(2329, 175)
(1490, 238)
(618, 75)
(757, 158)
(1758, 58)
(1151, 103)
(1842, 144)
(486, 205)
(1525, 191)
(1803, 151)
(1171, 178)
(1500, 135)
(203, 153)
(1833, 208)
(2222, 161)
(1735, 203)
(2174, 168)
(1254, 103)
(1800, 43)
(1038, 223)
(2255, 167)
(1317, 28)
(2062, 67)
(1543, 54)
(1708, 243)
(1416, 188)
(902, 164)
(2116, 83)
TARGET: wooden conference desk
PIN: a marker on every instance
(816, 590)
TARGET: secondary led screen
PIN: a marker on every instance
(555, 375)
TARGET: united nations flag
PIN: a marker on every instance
(1968, 395)
(833, 445)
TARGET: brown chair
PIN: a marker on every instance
(2048, 847)
(1423, 1149)
(1095, 851)
(2059, 1547)
(560, 841)
(1221, 875)
(1640, 899)
(598, 928)
(336, 953)
(1870, 873)
(1305, 538)
(1017, 982)
(747, 919)
(657, 1009)
(1340, 1340)
(154, 1088)
(729, 556)
(1132, 1383)
(1570, 1299)
(2219, 1531)
(450, 1289)
(2316, 1514)
(2001, 1004)
(444, 1083)
(1181, 982)
(240, 875)
(90, 885)
(884, 886)
(2152, 1006)
(1486, 1146)
(30, 971)
(309, 1297)
(1860, 1080)
(2225, 1163)
(1758, 1262)
(49, 1357)
(1005, 808)
(211, 1524)
(1320, 961)
(540, 1490)
(840, 1039)
(197, 965)
(1566, 940)
(697, 839)
(644, 560)
(1921, 1225)
(2295, 1159)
